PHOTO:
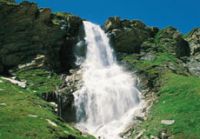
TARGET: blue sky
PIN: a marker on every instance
(182, 14)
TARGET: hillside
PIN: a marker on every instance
(38, 52)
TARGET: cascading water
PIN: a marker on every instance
(106, 102)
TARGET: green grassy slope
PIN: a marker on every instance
(179, 100)
(178, 97)
(24, 115)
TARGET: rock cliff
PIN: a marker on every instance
(27, 31)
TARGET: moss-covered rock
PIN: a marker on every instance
(168, 40)
(27, 31)
(128, 35)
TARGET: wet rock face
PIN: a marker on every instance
(63, 96)
(27, 31)
(127, 35)
(64, 104)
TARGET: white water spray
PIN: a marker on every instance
(106, 102)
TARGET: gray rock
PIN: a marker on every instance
(51, 123)
(32, 116)
(16, 82)
(194, 40)
(53, 104)
(167, 122)
(148, 57)
(194, 65)
(139, 135)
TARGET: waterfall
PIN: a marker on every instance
(106, 102)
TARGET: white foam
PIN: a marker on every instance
(106, 103)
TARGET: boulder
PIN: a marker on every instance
(167, 122)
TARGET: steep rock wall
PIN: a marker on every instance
(27, 31)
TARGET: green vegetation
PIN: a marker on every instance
(39, 80)
(159, 60)
(178, 97)
(8, 1)
(179, 100)
(27, 34)
(24, 115)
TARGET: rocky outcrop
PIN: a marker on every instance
(27, 31)
(63, 96)
(132, 36)
(194, 40)
(169, 39)
(163, 51)
(127, 35)
(193, 63)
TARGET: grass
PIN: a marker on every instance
(159, 60)
(23, 114)
(179, 100)
(39, 80)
